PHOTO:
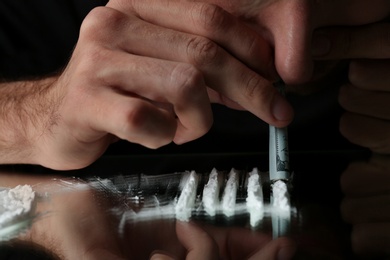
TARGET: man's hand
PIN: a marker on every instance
(146, 72)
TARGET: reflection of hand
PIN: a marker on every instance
(227, 243)
(76, 225)
(367, 95)
(80, 225)
(366, 205)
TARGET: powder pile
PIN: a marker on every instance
(230, 194)
(16, 208)
(281, 212)
(254, 200)
(211, 193)
(281, 197)
(187, 198)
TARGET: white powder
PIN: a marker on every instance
(230, 194)
(281, 209)
(280, 196)
(187, 197)
(254, 200)
(16, 206)
(210, 197)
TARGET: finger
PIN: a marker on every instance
(346, 12)
(178, 84)
(230, 241)
(367, 178)
(209, 21)
(369, 41)
(281, 248)
(370, 74)
(181, 85)
(129, 118)
(198, 243)
(223, 72)
(366, 131)
(371, 239)
(365, 102)
(161, 256)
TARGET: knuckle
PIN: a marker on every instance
(139, 126)
(202, 51)
(99, 21)
(212, 17)
(186, 80)
(135, 118)
(253, 86)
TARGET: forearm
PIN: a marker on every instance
(27, 111)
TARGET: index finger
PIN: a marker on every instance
(209, 21)
(369, 41)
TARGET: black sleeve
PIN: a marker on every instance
(37, 37)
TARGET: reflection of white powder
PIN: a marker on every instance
(211, 194)
(16, 206)
(281, 208)
(230, 194)
(254, 200)
(187, 197)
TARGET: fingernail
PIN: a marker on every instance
(282, 110)
(320, 45)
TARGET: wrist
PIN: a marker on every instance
(27, 110)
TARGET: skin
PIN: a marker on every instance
(117, 85)
(125, 81)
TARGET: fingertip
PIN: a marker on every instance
(282, 111)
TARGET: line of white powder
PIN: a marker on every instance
(187, 198)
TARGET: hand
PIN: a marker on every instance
(226, 243)
(289, 25)
(366, 205)
(146, 71)
(366, 97)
